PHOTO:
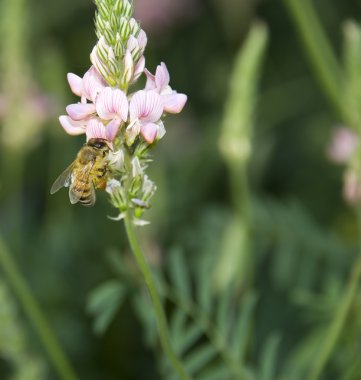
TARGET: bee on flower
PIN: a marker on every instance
(125, 124)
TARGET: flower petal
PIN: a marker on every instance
(161, 77)
(75, 83)
(146, 106)
(150, 84)
(132, 44)
(128, 67)
(142, 40)
(161, 130)
(112, 129)
(174, 103)
(139, 68)
(72, 127)
(120, 104)
(80, 111)
(104, 104)
(149, 132)
(132, 131)
(95, 130)
(111, 103)
(93, 83)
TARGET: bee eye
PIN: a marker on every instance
(98, 144)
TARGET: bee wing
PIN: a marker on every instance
(63, 180)
(83, 176)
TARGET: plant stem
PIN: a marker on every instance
(158, 308)
(31, 308)
(338, 323)
(318, 48)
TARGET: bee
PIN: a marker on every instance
(87, 173)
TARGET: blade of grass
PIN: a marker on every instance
(35, 315)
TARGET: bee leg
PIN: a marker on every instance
(102, 184)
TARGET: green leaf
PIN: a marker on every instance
(177, 326)
(223, 319)
(219, 372)
(203, 279)
(189, 338)
(199, 357)
(242, 328)
(103, 302)
(143, 308)
(179, 272)
(268, 358)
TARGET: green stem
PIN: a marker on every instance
(318, 48)
(338, 323)
(158, 308)
(31, 308)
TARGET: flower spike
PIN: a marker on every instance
(130, 122)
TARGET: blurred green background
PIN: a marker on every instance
(302, 237)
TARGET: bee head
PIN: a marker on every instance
(98, 144)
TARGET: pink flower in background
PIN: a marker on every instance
(352, 187)
(157, 15)
(342, 146)
(145, 111)
(172, 101)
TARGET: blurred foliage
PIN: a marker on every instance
(268, 322)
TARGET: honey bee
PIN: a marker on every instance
(87, 173)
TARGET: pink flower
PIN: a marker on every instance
(171, 100)
(71, 126)
(97, 130)
(87, 87)
(145, 111)
(160, 15)
(112, 104)
(352, 187)
(343, 145)
(136, 45)
(102, 117)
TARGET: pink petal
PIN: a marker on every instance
(174, 103)
(112, 129)
(128, 67)
(132, 131)
(80, 111)
(343, 145)
(146, 106)
(132, 44)
(142, 40)
(149, 132)
(120, 104)
(104, 104)
(72, 127)
(112, 102)
(161, 130)
(139, 68)
(150, 84)
(162, 77)
(75, 83)
(93, 83)
(95, 130)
